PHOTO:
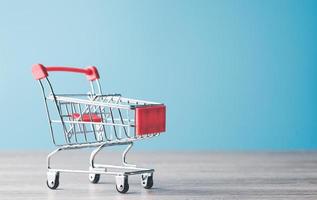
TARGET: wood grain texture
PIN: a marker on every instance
(178, 175)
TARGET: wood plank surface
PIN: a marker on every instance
(178, 175)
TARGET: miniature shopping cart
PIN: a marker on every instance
(96, 120)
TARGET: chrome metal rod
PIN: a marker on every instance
(50, 155)
(124, 155)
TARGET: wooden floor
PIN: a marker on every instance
(178, 175)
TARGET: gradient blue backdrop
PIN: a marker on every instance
(235, 75)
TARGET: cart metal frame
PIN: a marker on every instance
(95, 120)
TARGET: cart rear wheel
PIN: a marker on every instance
(122, 188)
(122, 184)
(147, 180)
(53, 181)
(94, 178)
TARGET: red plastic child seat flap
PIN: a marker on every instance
(87, 117)
(150, 119)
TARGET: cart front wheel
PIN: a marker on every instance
(122, 184)
(147, 180)
(94, 178)
(52, 180)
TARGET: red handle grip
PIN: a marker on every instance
(40, 72)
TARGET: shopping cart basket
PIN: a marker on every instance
(96, 120)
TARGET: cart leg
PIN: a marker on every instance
(48, 159)
(52, 175)
(93, 155)
(124, 155)
(94, 177)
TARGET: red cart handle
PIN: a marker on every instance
(39, 71)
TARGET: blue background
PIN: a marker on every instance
(235, 75)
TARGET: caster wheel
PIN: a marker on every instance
(147, 181)
(122, 184)
(94, 178)
(122, 188)
(52, 180)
